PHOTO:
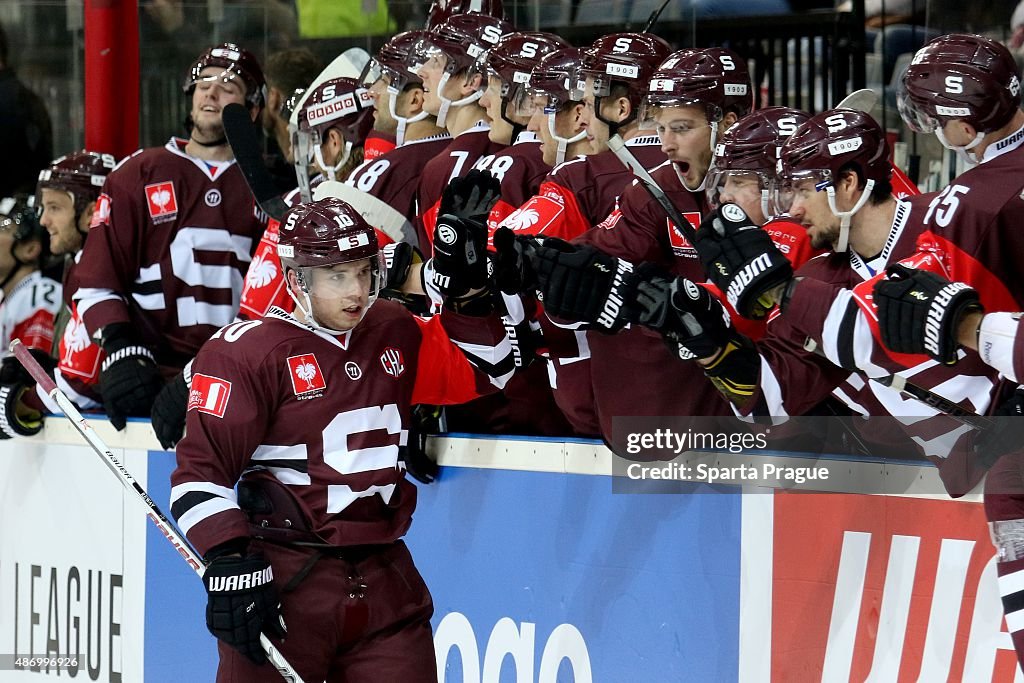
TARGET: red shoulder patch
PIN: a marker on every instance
(209, 395)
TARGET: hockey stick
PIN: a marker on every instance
(245, 145)
(47, 384)
(926, 396)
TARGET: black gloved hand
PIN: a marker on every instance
(692, 321)
(513, 273)
(13, 372)
(471, 196)
(460, 255)
(920, 312)
(168, 415)
(129, 378)
(582, 283)
(741, 259)
(17, 419)
(242, 602)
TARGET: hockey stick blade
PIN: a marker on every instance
(153, 511)
(245, 145)
(862, 100)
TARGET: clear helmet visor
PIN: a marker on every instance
(424, 55)
(916, 118)
(750, 190)
(330, 288)
(657, 115)
(799, 185)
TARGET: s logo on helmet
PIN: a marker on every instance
(787, 126)
(727, 62)
(954, 85)
(329, 92)
(528, 50)
(622, 45)
(491, 34)
(835, 123)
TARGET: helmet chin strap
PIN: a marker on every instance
(765, 211)
(332, 171)
(843, 243)
(402, 120)
(446, 104)
(961, 151)
(563, 143)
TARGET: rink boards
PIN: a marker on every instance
(539, 572)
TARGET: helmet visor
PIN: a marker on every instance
(799, 185)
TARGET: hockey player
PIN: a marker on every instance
(322, 499)
(163, 267)
(443, 60)
(31, 300)
(67, 193)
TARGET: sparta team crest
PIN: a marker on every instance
(307, 379)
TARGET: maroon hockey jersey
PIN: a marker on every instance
(453, 161)
(172, 253)
(324, 416)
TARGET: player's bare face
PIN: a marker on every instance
(210, 97)
(340, 294)
(501, 130)
(431, 72)
(58, 218)
(686, 140)
(810, 209)
(383, 122)
(597, 130)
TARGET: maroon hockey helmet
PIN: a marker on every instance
(80, 173)
(754, 142)
(442, 10)
(960, 77)
(833, 139)
(746, 156)
(713, 77)
(462, 39)
(515, 56)
(236, 62)
(340, 103)
(626, 58)
(393, 59)
(554, 78)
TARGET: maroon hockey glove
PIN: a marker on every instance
(741, 259)
(129, 378)
(581, 283)
(919, 312)
(242, 603)
(692, 321)
(168, 415)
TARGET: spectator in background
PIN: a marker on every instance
(26, 137)
(286, 71)
(338, 18)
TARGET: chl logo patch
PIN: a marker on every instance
(162, 202)
(307, 379)
(391, 360)
(209, 395)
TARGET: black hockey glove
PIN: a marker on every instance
(460, 255)
(399, 258)
(742, 260)
(129, 378)
(242, 602)
(471, 196)
(582, 283)
(512, 271)
(13, 372)
(168, 415)
(919, 312)
(1006, 433)
(692, 321)
(17, 419)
